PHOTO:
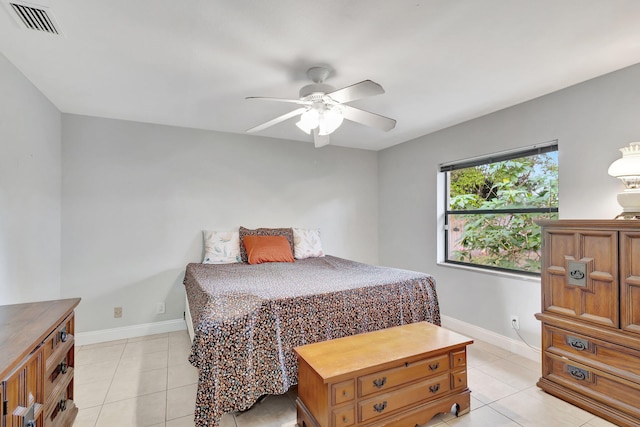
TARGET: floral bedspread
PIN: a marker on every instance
(248, 318)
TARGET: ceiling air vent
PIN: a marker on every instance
(34, 17)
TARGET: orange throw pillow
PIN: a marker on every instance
(267, 249)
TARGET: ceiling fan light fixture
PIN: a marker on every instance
(330, 120)
(322, 109)
(309, 120)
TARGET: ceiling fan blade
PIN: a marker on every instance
(360, 90)
(277, 120)
(292, 101)
(366, 118)
(320, 140)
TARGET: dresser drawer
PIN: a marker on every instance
(61, 337)
(344, 417)
(458, 359)
(602, 386)
(621, 361)
(342, 392)
(390, 378)
(390, 402)
(61, 410)
(459, 379)
(59, 367)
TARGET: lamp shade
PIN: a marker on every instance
(627, 169)
(330, 120)
(309, 120)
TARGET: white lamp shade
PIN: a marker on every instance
(330, 120)
(309, 120)
(627, 169)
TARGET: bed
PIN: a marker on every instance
(246, 320)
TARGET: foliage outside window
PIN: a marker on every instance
(492, 206)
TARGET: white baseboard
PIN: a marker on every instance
(506, 343)
(94, 337)
(473, 331)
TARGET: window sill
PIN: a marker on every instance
(515, 276)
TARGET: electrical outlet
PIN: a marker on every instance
(515, 322)
(160, 308)
(117, 312)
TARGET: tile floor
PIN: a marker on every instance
(148, 381)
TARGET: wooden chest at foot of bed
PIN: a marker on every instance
(400, 376)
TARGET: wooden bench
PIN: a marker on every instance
(400, 376)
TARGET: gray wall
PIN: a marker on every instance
(591, 121)
(136, 198)
(29, 191)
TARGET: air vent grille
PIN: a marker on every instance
(35, 17)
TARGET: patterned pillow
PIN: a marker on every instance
(221, 247)
(286, 232)
(306, 243)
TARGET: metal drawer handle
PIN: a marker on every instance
(379, 407)
(577, 343)
(434, 388)
(62, 405)
(434, 366)
(576, 274)
(63, 367)
(380, 382)
(577, 373)
(63, 334)
(345, 420)
(28, 419)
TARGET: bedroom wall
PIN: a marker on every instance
(29, 191)
(136, 197)
(591, 121)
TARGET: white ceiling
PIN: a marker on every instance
(191, 63)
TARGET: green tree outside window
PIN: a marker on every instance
(492, 208)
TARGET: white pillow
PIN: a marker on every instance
(221, 247)
(306, 243)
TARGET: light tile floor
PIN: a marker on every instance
(148, 381)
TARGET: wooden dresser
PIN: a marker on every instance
(591, 316)
(36, 364)
(400, 376)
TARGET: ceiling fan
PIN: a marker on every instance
(323, 108)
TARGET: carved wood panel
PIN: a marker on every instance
(630, 281)
(580, 278)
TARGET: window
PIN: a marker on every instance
(492, 203)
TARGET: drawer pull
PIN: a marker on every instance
(63, 334)
(345, 420)
(380, 382)
(577, 343)
(62, 368)
(379, 407)
(434, 366)
(434, 388)
(62, 405)
(577, 373)
(577, 274)
(28, 419)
